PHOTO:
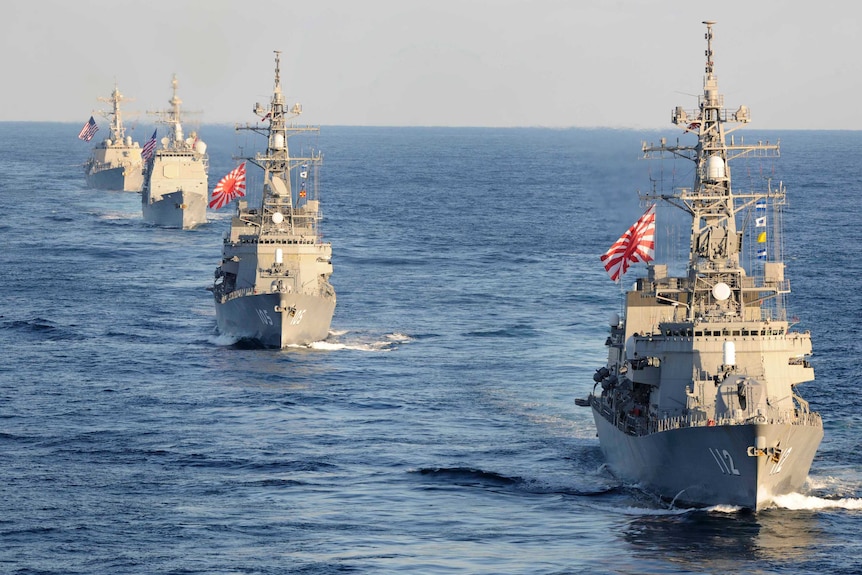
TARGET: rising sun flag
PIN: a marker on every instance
(229, 187)
(636, 245)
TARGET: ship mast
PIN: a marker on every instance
(276, 163)
(278, 206)
(172, 117)
(716, 277)
(115, 116)
(174, 113)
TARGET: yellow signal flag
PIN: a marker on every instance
(761, 238)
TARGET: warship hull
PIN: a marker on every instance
(276, 320)
(712, 465)
(180, 209)
(117, 179)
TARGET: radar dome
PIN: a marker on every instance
(721, 291)
(715, 169)
(278, 186)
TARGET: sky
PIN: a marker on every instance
(496, 63)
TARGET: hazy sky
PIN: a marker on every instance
(560, 63)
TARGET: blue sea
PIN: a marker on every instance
(435, 430)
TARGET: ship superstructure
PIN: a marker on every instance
(176, 174)
(115, 162)
(272, 285)
(698, 401)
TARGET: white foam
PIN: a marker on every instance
(325, 345)
(845, 482)
(399, 337)
(798, 501)
(110, 216)
(336, 346)
(222, 340)
(332, 343)
(728, 509)
(388, 343)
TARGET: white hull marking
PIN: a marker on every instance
(264, 317)
(725, 461)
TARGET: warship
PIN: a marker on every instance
(175, 174)
(115, 163)
(272, 286)
(698, 402)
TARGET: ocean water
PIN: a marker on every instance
(435, 430)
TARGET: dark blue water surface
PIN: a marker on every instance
(434, 431)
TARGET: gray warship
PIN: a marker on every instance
(115, 163)
(272, 286)
(698, 402)
(175, 175)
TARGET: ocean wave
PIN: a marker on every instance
(516, 331)
(40, 328)
(475, 477)
(467, 476)
(653, 511)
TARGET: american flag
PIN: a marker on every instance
(89, 130)
(636, 245)
(229, 187)
(149, 148)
